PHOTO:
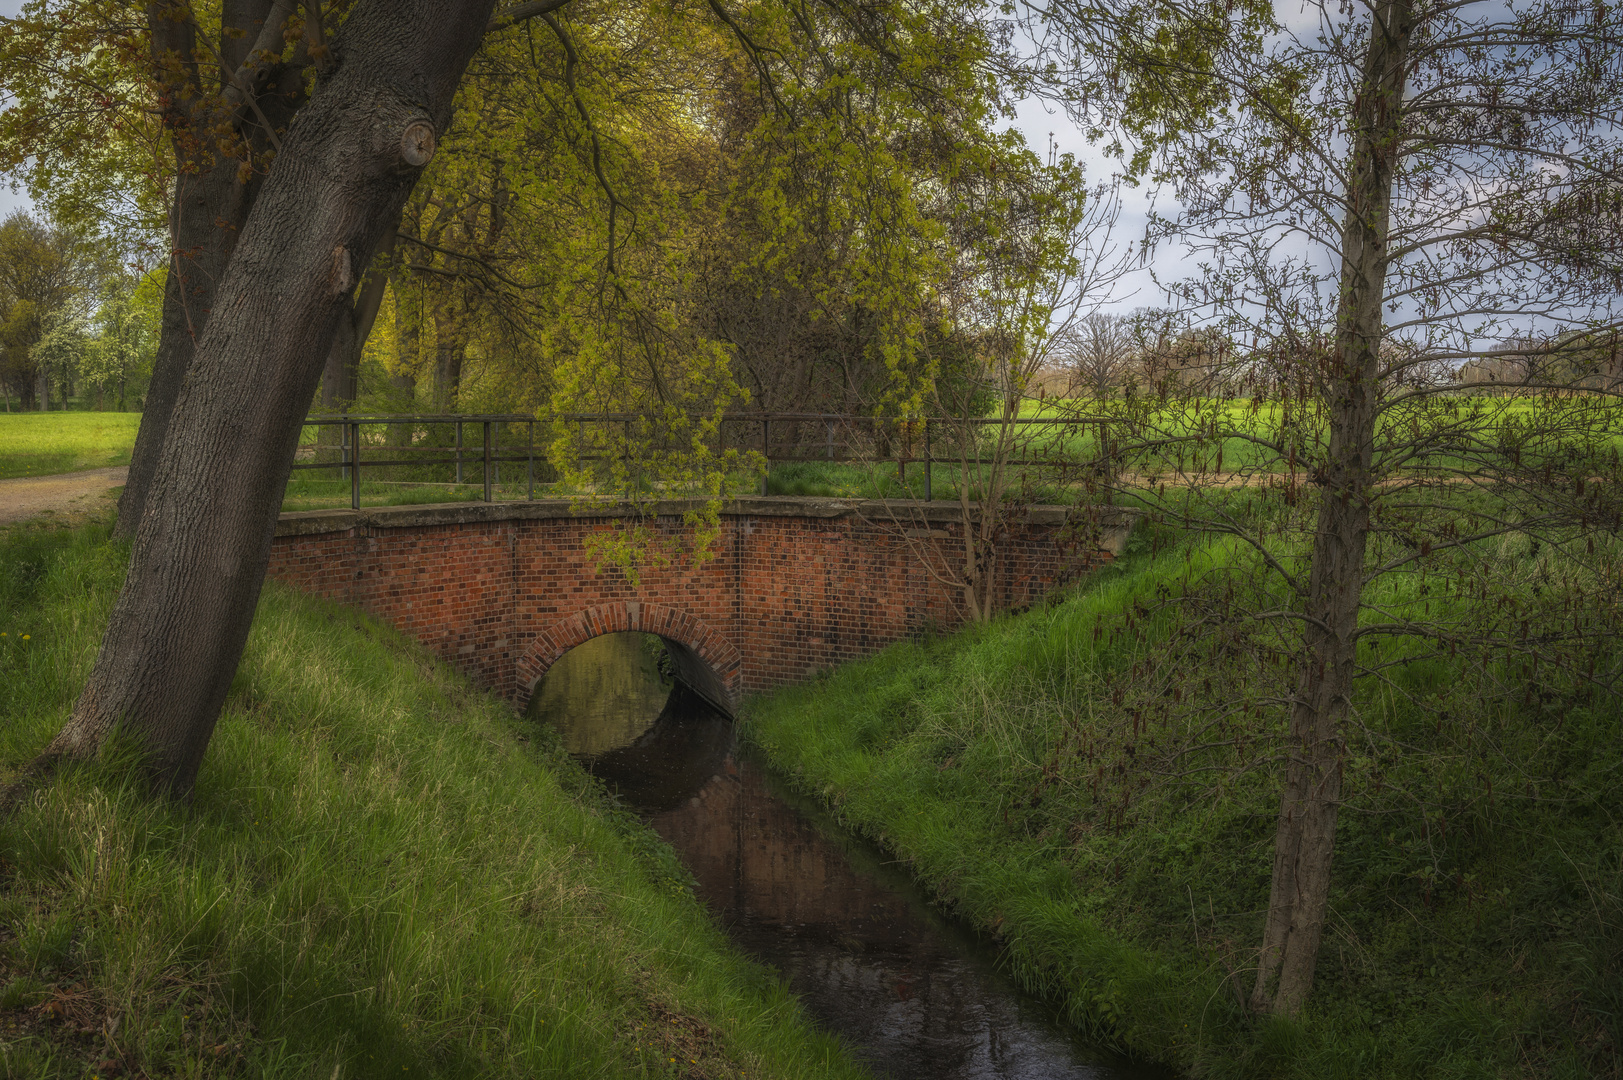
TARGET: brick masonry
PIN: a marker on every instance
(796, 586)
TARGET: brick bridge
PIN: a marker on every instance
(798, 585)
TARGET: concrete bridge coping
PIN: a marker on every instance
(310, 522)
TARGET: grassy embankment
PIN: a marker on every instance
(40, 444)
(382, 874)
(1475, 931)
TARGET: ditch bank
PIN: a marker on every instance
(1489, 952)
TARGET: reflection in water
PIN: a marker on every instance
(603, 693)
(856, 941)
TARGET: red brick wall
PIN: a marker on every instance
(797, 585)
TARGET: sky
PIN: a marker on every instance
(1038, 122)
(11, 200)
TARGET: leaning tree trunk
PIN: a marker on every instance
(211, 204)
(1305, 836)
(201, 250)
(177, 630)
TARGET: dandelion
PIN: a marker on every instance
(25, 637)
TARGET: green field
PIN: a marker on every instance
(382, 874)
(1477, 906)
(41, 444)
(38, 444)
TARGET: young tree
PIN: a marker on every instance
(1394, 184)
(125, 322)
(60, 354)
(1035, 260)
(1098, 353)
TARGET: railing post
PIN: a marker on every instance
(928, 468)
(354, 465)
(486, 471)
(766, 452)
(459, 452)
(829, 454)
(529, 467)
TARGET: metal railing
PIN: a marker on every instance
(840, 437)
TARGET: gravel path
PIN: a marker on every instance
(67, 498)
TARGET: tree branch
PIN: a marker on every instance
(521, 12)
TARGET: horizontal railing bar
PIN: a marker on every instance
(572, 418)
(902, 436)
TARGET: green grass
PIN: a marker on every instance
(382, 874)
(41, 444)
(1475, 932)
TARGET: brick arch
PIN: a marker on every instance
(707, 662)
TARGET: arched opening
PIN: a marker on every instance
(641, 711)
(699, 657)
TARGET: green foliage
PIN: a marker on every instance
(78, 128)
(382, 873)
(1477, 895)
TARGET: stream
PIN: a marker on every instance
(913, 993)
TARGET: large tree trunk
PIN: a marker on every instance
(177, 630)
(1305, 837)
(211, 205)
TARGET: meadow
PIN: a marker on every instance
(44, 443)
(38, 444)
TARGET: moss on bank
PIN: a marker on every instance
(1484, 942)
(382, 874)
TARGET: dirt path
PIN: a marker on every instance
(67, 498)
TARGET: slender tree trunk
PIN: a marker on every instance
(177, 629)
(449, 349)
(1305, 837)
(403, 383)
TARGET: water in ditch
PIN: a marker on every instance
(913, 993)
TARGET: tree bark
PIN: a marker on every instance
(211, 204)
(177, 630)
(1305, 836)
(450, 346)
(341, 379)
